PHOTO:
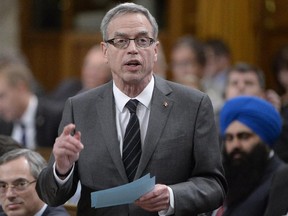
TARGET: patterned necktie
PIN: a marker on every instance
(132, 141)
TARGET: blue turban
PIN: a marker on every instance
(257, 114)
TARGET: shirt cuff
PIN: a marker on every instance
(61, 181)
(170, 210)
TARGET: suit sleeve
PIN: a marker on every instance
(47, 186)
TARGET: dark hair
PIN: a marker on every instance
(280, 62)
(247, 68)
(7, 144)
(218, 46)
(195, 45)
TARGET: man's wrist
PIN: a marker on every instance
(63, 175)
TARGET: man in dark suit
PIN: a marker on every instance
(250, 126)
(277, 204)
(19, 170)
(30, 120)
(178, 137)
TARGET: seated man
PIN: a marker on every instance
(19, 170)
(27, 118)
(249, 126)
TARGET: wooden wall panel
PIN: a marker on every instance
(232, 21)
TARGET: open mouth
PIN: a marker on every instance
(133, 63)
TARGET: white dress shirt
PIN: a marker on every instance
(39, 213)
(123, 114)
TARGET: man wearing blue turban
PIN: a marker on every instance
(249, 126)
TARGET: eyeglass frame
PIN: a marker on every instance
(111, 41)
(15, 185)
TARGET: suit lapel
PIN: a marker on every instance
(106, 110)
(161, 106)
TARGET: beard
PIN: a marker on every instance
(244, 174)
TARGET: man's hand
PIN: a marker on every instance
(273, 98)
(156, 200)
(66, 149)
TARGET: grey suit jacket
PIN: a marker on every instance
(181, 150)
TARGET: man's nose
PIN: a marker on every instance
(10, 192)
(235, 143)
(132, 47)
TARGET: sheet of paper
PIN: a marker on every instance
(123, 194)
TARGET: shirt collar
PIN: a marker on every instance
(41, 211)
(144, 97)
(30, 112)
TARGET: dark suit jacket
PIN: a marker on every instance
(181, 149)
(277, 204)
(47, 121)
(49, 211)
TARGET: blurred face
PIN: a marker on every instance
(243, 84)
(19, 202)
(132, 65)
(11, 107)
(215, 64)
(95, 71)
(283, 78)
(184, 64)
(239, 139)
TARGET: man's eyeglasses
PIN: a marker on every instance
(17, 186)
(123, 43)
(242, 136)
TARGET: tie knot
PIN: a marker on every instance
(132, 105)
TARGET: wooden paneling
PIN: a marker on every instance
(74, 48)
(44, 55)
(232, 21)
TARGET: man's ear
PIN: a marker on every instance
(156, 48)
(104, 48)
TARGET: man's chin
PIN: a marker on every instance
(16, 212)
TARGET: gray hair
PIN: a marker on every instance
(126, 8)
(35, 160)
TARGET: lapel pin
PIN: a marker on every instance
(165, 104)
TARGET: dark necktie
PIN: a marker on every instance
(132, 142)
(23, 136)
